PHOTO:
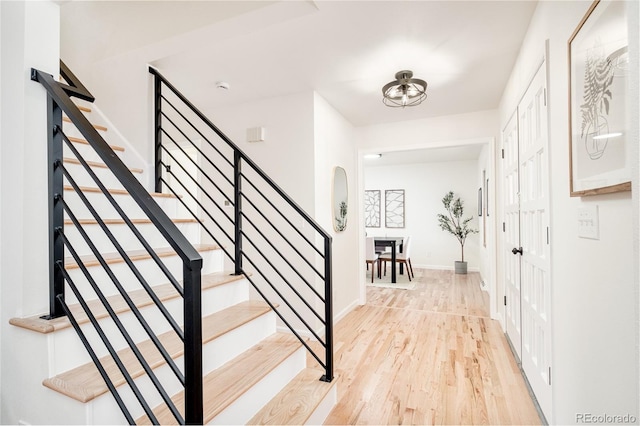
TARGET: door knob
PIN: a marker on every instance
(517, 250)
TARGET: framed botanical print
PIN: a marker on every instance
(599, 140)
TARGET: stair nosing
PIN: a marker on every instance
(111, 258)
(97, 164)
(122, 222)
(116, 191)
(242, 313)
(95, 126)
(85, 142)
(287, 345)
(163, 291)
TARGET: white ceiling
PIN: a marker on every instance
(344, 50)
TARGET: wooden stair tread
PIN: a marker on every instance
(139, 297)
(97, 164)
(224, 385)
(84, 383)
(85, 142)
(110, 258)
(96, 126)
(296, 402)
(117, 191)
(122, 222)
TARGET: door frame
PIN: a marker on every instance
(492, 222)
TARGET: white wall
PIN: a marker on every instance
(486, 224)
(29, 39)
(287, 154)
(335, 146)
(425, 184)
(594, 298)
(634, 131)
(429, 132)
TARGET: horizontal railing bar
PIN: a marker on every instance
(200, 222)
(192, 144)
(123, 254)
(164, 224)
(284, 299)
(198, 130)
(205, 210)
(246, 179)
(283, 277)
(293, 330)
(244, 156)
(93, 356)
(114, 317)
(294, 269)
(132, 306)
(167, 167)
(244, 196)
(124, 216)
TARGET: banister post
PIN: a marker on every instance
(328, 310)
(193, 388)
(237, 203)
(157, 126)
(56, 212)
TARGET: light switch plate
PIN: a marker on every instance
(588, 223)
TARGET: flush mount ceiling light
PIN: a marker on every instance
(405, 91)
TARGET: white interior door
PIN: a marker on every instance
(511, 226)
(526, 238)
(534, 239)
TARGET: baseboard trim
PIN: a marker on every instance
(543, 419)
(446, 268)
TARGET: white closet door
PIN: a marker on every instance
(511, 185)
(534, 228)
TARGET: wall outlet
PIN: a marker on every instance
(588, 222)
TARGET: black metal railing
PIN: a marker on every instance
(282, 251)
(91, 285)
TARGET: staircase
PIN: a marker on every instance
(135, 358)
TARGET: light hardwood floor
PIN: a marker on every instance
(430, 355)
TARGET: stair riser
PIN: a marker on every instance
(125, 237)
(245, 407)
(212, 262)
(215, 353)
(324, 408)
(86, 151)
(172, 206)
(69, 352)
(82, 178)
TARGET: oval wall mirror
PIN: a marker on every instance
(340, 199)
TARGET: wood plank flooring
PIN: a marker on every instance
(430, 355)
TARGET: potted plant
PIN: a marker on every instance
(453, 223)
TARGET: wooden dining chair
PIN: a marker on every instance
(404, 258)
(372, 257)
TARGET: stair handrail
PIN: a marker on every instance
(59, 99)
(238, 156)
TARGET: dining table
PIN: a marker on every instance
(393, 242)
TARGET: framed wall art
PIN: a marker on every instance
(598, 80)
(372, 208)
(394, 208)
